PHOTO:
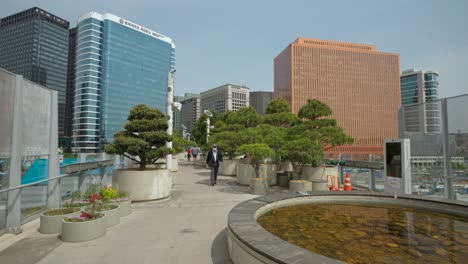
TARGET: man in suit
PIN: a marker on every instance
(213, 159)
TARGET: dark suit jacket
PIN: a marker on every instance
(210, 158)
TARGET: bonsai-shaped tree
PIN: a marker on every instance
(278, 113)
(257, 153)
(312, 133)
(234, 129)
(144, 135)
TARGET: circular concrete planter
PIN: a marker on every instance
(112, 216)
(52, 224)
(125, 207)
(300, 186)
(319, 173)
(143, 185)
(83, 231)
(228, 167)
(245, 172)
(320, 186)
(258, 186)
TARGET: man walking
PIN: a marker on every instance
(195, 151)
(213, 159)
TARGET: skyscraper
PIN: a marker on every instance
(118, 64)
(190, 112)
(177, 124)
(34, 43)
(260, 100)
(419, 97)
(68, 132)
(228, 97)
(360, 84)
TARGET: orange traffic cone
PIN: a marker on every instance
(347, 183)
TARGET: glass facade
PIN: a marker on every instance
(419, 96)
(34, 43)
(118, 65)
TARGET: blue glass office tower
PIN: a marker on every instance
(118, 64)
(419, 98)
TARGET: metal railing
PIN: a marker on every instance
(79, 181)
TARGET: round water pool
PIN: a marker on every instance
(357, 227)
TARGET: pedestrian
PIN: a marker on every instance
(189, 153)
(213, 158)
(195, 151)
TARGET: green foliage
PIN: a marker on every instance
(199, 129)
(314, 109)
(178, 143)
(301, 152)
(257, 153)
(246, 117)
(144, 136)
(278, 105)
(310, 135)
(458, 166)
(283, 119)
(92, 189)
(109, 193)
(61, 211)
(75, 196)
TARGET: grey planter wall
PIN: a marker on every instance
(52, 224)
(83, 231)
(228, 167)
(245, 172)
(112, 217)
(318, 173)
(300, 186)
(125, 207)
(143, 185)
(258, 186)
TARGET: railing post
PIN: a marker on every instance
(449, 194)
(340, 171)
(53, 187)
(82, 177)
(13, 212)
(372, 174)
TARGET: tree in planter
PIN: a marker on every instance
(257, 153)
(312, 133)
(234, 129)
(144, 135)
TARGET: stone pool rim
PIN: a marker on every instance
(248, 242)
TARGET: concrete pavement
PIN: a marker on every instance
(190, 227)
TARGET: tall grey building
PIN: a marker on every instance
(260, 100)
(228, 97)
(70, 83)
(177, 115)
(420, 101)
(34, 43)
(190, 112)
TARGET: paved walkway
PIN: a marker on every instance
(190, 227)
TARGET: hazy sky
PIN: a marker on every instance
(235, 41)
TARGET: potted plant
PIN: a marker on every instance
(76, 201)
(51, 220)
(111, 210)
(257, 153)
(307, 138)
(88, 225)
(143, 140)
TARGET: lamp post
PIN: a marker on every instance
(170, 106)
(208, 114)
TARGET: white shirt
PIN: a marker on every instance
(214, 154)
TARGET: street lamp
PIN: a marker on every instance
(208, 114)
(171, 106)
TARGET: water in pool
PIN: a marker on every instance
(372, 234)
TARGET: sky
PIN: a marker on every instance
(236, 41)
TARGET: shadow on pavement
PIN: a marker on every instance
(226, 186)
(30, 250)
(219, 249)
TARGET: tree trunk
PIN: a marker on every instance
(142, 165)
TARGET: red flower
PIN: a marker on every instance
(94, 197)
(86, 215)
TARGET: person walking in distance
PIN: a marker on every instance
(189, 153)
(213, 159)
(195, 151)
